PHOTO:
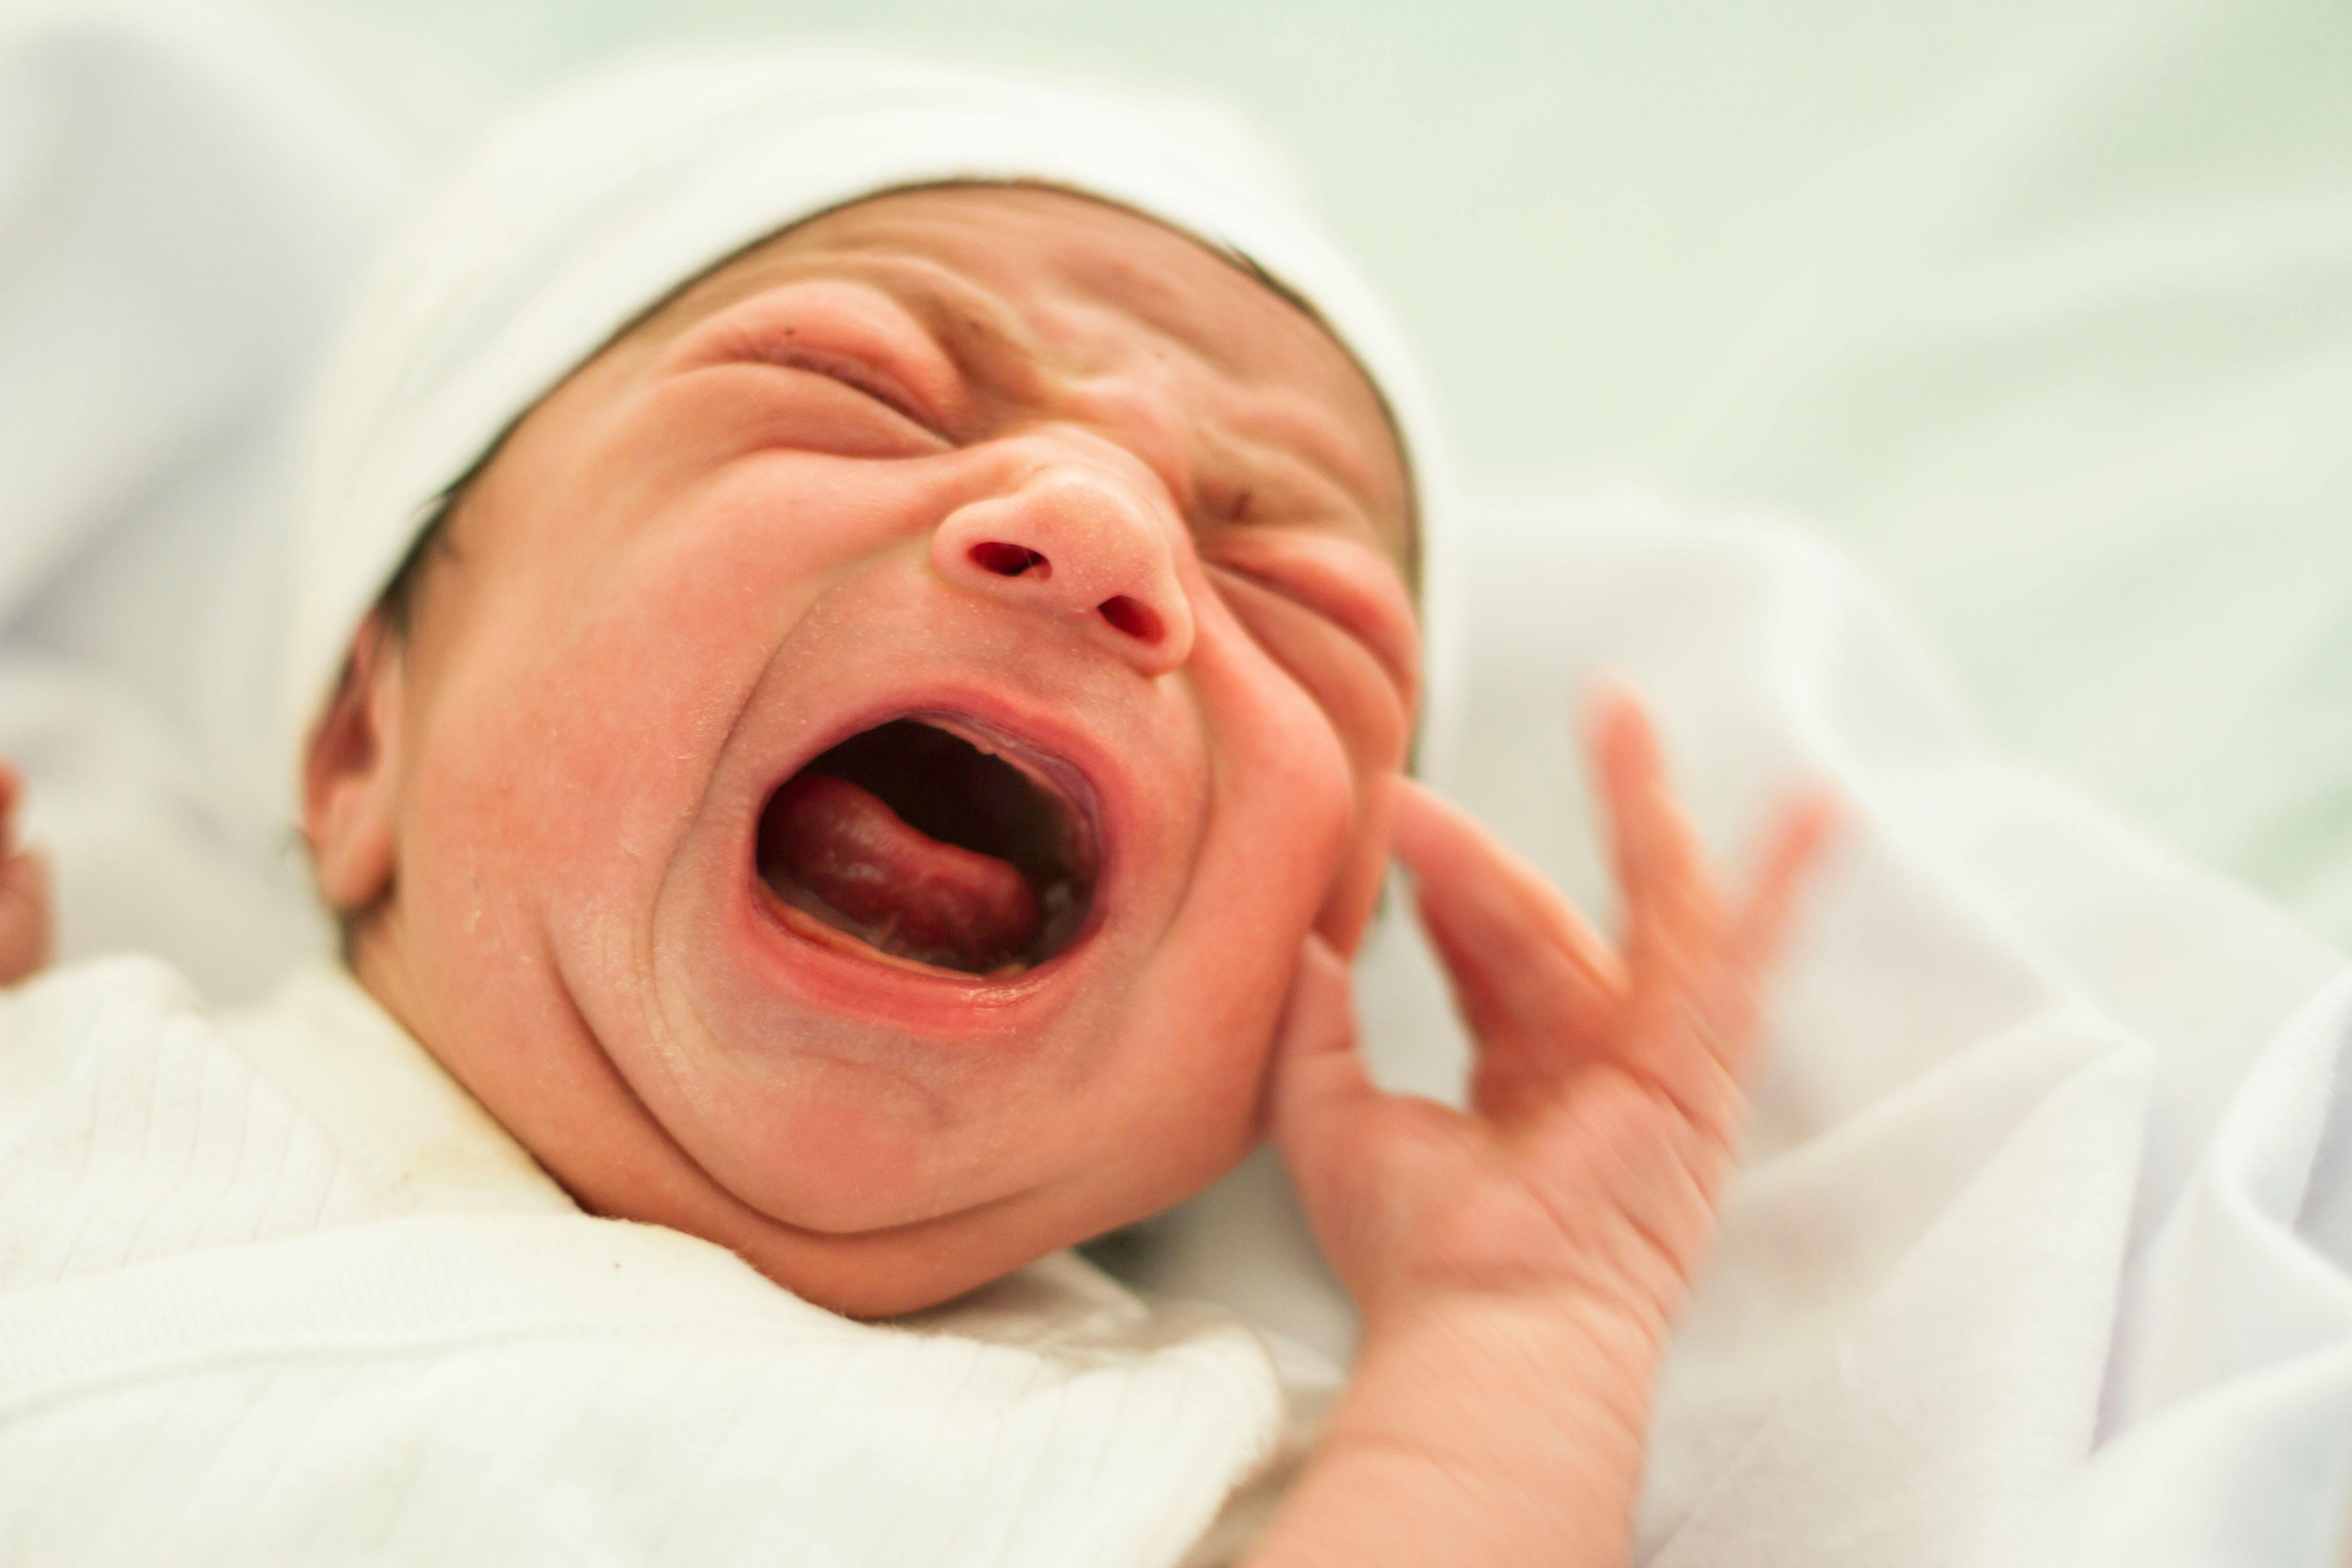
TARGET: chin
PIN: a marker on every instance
(891, 1273)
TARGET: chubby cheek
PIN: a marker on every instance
(570, 735)
(1361, 710)
(1311, 733)
(537, 826)
(1280, 822)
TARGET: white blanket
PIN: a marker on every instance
(2042, 1253)
(2045, 1249)
(273, 1289)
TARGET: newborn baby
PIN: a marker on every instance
(882, 769)
(967, 645)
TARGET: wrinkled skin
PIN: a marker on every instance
(760, 521)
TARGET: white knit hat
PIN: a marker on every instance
(586, 209)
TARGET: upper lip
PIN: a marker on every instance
(1058, 774)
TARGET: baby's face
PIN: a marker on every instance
(856, 785)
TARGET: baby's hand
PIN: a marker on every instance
(1606, 1102)
(24, 892)
(1517, 1265)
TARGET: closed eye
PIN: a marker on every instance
(853, 335)
(849, 373)
(1364, 600)
(756, 404)
(1368, 699)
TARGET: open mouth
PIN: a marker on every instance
(927, 848)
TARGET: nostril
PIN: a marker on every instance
(1009, 560)
(1136, 619)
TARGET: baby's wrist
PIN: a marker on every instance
(1510, 1384)
(1480, 1428)
(1576, 1310)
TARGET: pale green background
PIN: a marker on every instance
(1570, 202)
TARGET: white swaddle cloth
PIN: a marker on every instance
(589, 208)
(274, 1289)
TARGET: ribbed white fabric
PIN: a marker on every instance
(341, 1317)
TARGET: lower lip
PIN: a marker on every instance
(837, 975)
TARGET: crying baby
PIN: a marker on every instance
(880, 765)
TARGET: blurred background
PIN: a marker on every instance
(2041, 309)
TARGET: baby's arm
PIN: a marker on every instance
(1517, 1266)
(24, 892)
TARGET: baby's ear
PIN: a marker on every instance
(350, 773)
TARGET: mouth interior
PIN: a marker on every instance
(920, 844)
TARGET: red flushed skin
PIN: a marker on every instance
(902, 891)
(756, 525)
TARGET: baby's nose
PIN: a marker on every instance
(1079, 544)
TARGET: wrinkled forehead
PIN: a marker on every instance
(1013, 276)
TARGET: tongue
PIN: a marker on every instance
(906, 893)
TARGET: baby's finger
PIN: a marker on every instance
(11, 785)
(1518, 953)
(1724, 1005)
(1792, 855)
(24, 934)
(1670, 904)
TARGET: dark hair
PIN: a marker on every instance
(395, 608)
(397, 605)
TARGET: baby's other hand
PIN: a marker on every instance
(1605, 1103)
(23, 891)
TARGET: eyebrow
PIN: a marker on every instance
(959, 316)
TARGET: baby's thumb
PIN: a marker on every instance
(23, 914)
(1319, 1078)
